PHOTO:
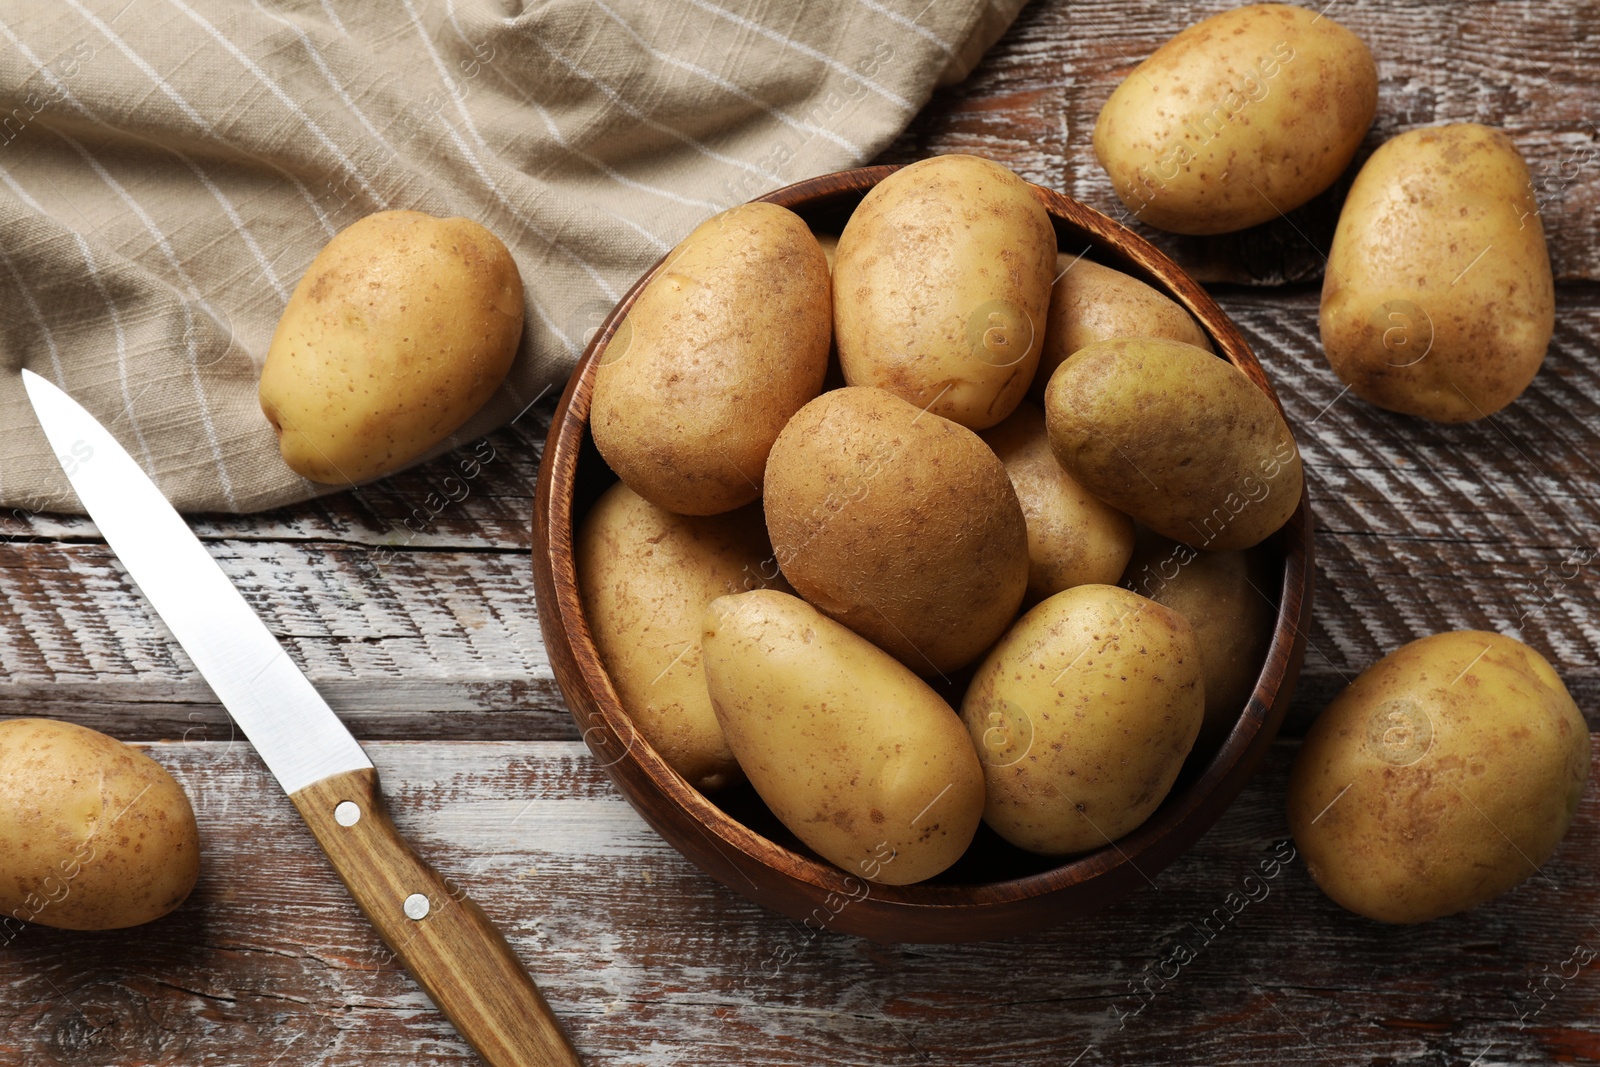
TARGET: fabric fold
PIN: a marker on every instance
(169, 168)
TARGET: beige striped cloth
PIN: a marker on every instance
(168, 169)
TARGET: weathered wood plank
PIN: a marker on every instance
(1422, 527)
(648, 962)
(1533, 70)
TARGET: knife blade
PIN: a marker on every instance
(441, 937)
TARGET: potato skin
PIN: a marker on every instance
(1438, 299)
(1177, 438)
(898, 523)
(1461, 758)
(1223, 595)
(1090, 302)
(1073, 539)
(728, 339)
(96, 835)
(1243, 115)
(1082, 715)
(401, 329)
(850, 750)
(646, 575)
(941, 282)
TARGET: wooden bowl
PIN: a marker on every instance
(995, 890)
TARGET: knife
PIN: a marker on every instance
(447, 943)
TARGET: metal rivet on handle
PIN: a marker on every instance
(416, 906)
(348, 813)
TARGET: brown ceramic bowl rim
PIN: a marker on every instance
(617, 745)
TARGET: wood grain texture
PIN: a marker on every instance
(432, 927)
(647, 961)
(1531, 69)
(1420, 527)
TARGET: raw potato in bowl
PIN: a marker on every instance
(941, 282)
(1073, 538)
(1083, 714)
(898, 523)
(852, 751)
(1090, 302)
(1177, 438)
(725, 343)
(646, 575)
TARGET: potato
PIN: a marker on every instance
(401, 329)
(1438, 299)
(1082, 715)
(1225, 597)
(96, 835)
(1441, 777)
(940, 286)
(1073, 539)
(898, 523)
(1090, 303)
(646, 575)
(1177, 438)
(850, 750)
(1241, 117)
(728, 339)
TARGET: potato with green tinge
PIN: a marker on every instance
(1239, 118)
(1082, 716)
(1177, 438)
(1444, 775)
(95, 835)
(400, 330)
(728, 339)
(898, 523)
(941, 282)
(646, 575)
(1225, 597)
(1073, 538)
(1438, 299)
(851, 751)
(1090, 303)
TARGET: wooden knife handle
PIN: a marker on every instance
(445, 940)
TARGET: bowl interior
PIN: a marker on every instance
(992, 872)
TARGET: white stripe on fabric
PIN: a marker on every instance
(38, 317)
(647, 234)
(205, 179)
(634, 113)
(111, 308)
(444, 75)
(600, 164)
(483, 173)
(284, 98)
(805, 50)
(910, 24)
(327, 74)
(190, 113)
(556, 331)
(723, 83)
(333, 18)
(223, 481)
(606, 168)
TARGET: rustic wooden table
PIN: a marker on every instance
(432, 654)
